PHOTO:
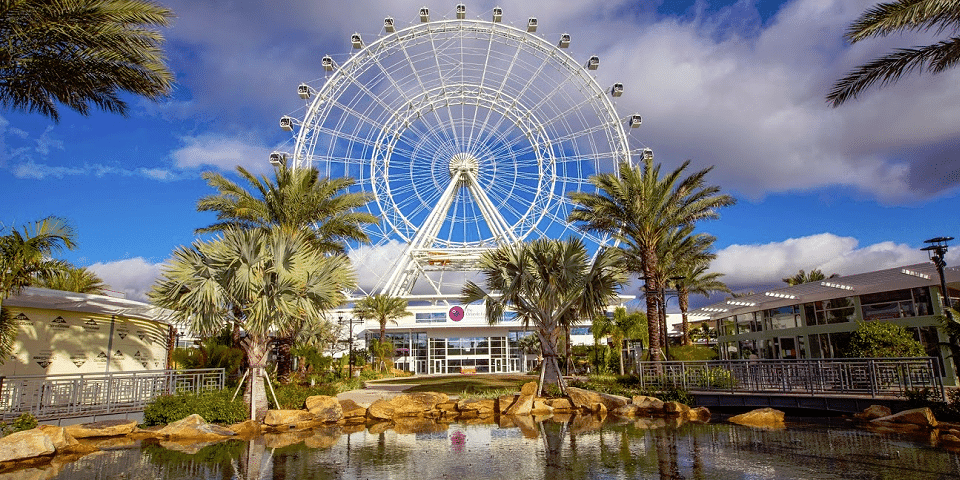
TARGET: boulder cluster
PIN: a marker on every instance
(323, 419)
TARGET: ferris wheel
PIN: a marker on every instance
(468, 134)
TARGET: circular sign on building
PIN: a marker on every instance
(456, 314)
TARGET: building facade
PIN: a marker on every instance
(458, 339)
(70, 333)
(815, 320)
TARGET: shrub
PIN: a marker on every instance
(214, 407)
(25, 421)
(882, 339)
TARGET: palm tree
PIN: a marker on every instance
(25, 257)
(625, 326)
(69, 278)
(25, 254)
(900, 16)
(385, 308)
(696, 280)
(81, 53)
(546, 281)
(801, 277)
(297, 199)
(265, 280)
(639, 207)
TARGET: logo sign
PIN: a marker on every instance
(456, 314)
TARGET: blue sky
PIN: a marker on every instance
(734, 85)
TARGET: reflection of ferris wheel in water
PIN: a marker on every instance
(468, 133)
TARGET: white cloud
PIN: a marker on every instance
(750, 266)
(133, 276)
(221, 151)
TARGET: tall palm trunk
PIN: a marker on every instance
(285, 357)
(653, 313)
(683, 298)
(257, 349)
(550, 368)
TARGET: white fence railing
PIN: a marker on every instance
(874, 377)
(80, 395)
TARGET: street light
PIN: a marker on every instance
(350, 321)
(937, 251)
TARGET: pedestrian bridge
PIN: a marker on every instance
(835, 384)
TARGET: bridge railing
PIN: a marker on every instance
(875, 377)
(80, 395)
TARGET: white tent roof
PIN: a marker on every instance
(32, 297)
(899, 278)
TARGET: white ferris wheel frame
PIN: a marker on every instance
(425, 250)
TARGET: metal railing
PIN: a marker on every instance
(874, 377)
(90, 394)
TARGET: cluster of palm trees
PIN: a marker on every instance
(274, 266)
(553, 284)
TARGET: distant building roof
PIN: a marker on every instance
(899, 278)
(33, 297)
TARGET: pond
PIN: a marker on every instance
(560, 448)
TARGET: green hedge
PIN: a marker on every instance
(214, 407)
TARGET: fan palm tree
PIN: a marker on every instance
(546, 281)
(900, 16)
(69, 278)
(639, 207)
(265, 280)
(24, 258)
(296, 199)
(81, 54)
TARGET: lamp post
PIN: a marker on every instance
(350, 321)
(937, 251)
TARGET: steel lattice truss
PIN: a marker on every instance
(468, 133)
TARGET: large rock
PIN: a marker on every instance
(106, 428)
(195, 427)
(289, 418)
(562, 404)
(406, 405)
(505, 401)
(246, 429)
(325, 409)
(482, 407)
(522, 406)
(762, 417)
(873, 411)
(351, 409)
(26, 444)
(629, 410)
(529, 388)
(922, 417)
(591, 401)
(699, 414)
(541, 407)
(675, 408)
(62, 440)
(647, 403)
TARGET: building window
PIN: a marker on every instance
(836, 310)
(896, 304)
(431, 317)
(780, 318)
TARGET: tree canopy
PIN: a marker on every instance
(81, 54)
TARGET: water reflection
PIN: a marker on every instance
(565, 447)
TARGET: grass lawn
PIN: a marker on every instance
(460, 384)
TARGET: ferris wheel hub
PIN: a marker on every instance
(463, 163)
